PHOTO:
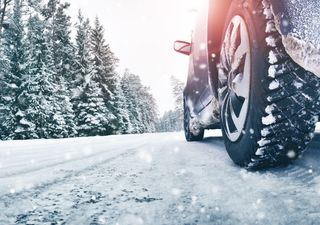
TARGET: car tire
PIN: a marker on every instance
(269, 105)
(190, 137)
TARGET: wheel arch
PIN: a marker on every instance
(217, 15)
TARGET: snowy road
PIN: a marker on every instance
(150, 179)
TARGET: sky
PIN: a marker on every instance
(141, 33)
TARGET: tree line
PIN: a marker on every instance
(172, 120)
(55, 86)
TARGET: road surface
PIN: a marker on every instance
(150, 179)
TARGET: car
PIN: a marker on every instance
(254, 72)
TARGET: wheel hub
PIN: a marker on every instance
(234, 78)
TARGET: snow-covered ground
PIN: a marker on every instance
(150, 179)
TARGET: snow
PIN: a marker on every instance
(270, 27)
(271, 41)
(104, 181)
(263, 142)
(291, 154)
(298, 85)
(307, 96)
(259, 152)
(265, 132)
(203, 66)
(26, 122)
(268, 13)
(268, 120)
(272, 71)
(272, 57)
(269, 109)
(274, 85)
(301, 39)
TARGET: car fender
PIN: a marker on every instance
(298, 23)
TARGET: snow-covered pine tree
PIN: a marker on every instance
(7, 87)
(104, 74)
(123, 122)
(168, 122)
(140, 104)
(82, 65)
(63, 48)
(129, 82)
(173, 119)
(82, 69)
(63, 57)
(14, 62)
(39, 114)
(94, 117)
(148, 110)
(6, 98)
(177, 91)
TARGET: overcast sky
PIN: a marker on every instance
(141, 34)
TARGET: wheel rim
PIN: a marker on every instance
(234, 78)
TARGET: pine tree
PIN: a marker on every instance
(104, 63)
(63, 49)
(149, 110)
(123, 123)
(63, 57)
(6, 98)
(82, 70)
(129, 82)
(37, 100)
(82, 65)
(177, 91)
(14, 52)
(173, 119)
(61, 123)
(94, 116)
(140, 104)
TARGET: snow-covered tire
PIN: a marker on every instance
(190, 137)
(283, 98)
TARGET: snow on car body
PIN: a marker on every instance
(298, 22)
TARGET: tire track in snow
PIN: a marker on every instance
(24, 217)
(50, 166)
(42, 187)
(26, 171)
(89, 205)
(134, 193)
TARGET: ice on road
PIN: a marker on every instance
(150, 179)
